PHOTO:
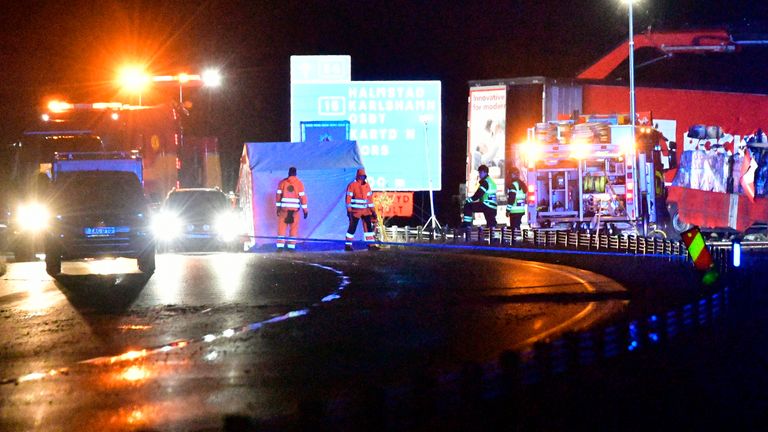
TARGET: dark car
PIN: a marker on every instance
(99, 214)
(197, 219)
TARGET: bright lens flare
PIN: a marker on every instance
(133, 79)
(227, 225)
(57, 106)
(167, 226)
(211, 78)
(33, 217)
(532, 151)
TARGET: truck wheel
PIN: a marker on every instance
(52, 262)
(146, 261)
(678, 224)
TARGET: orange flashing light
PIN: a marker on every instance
(57, 106)
(133, 79)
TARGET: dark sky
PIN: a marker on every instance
(72, 48)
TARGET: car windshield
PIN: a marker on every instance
(103, 190)
(197, 204)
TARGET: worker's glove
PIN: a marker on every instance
(277, 211)
(306, 214)
(373, 215)
(509, 214)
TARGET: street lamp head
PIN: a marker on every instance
(211, 78)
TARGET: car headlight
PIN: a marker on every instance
(166, 226)
(227, 225)
(33, 217)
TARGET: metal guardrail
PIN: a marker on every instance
(503, 236)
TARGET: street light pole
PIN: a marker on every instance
(631, 70)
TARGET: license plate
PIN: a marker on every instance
(99, 231)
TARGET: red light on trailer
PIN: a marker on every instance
(531, 194)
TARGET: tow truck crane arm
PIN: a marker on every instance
(669, 43)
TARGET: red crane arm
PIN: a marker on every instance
(694, 41)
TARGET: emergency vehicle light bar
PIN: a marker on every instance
(56, 106)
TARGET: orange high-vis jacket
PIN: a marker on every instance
(290, 195)
(359, 199)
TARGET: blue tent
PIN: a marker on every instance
(326, 168)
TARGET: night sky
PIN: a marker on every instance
(73, 49)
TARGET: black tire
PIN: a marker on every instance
(52, 261)
(146, 261)
(677, 224)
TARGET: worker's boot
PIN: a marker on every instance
(348, 248)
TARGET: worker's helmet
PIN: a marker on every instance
(361, 172)
(483, 168)
(291, 171)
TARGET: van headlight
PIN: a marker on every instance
(227, 226)
(33, 217)
(166, 226)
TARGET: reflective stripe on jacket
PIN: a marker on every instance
(516, 198)
(290, 194)
(486, 193)
(359, 199)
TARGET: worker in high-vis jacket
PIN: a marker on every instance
(484, 200)
(359, 199)
(515, 199)
(290, 197)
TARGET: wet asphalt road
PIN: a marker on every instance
(104, 348)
